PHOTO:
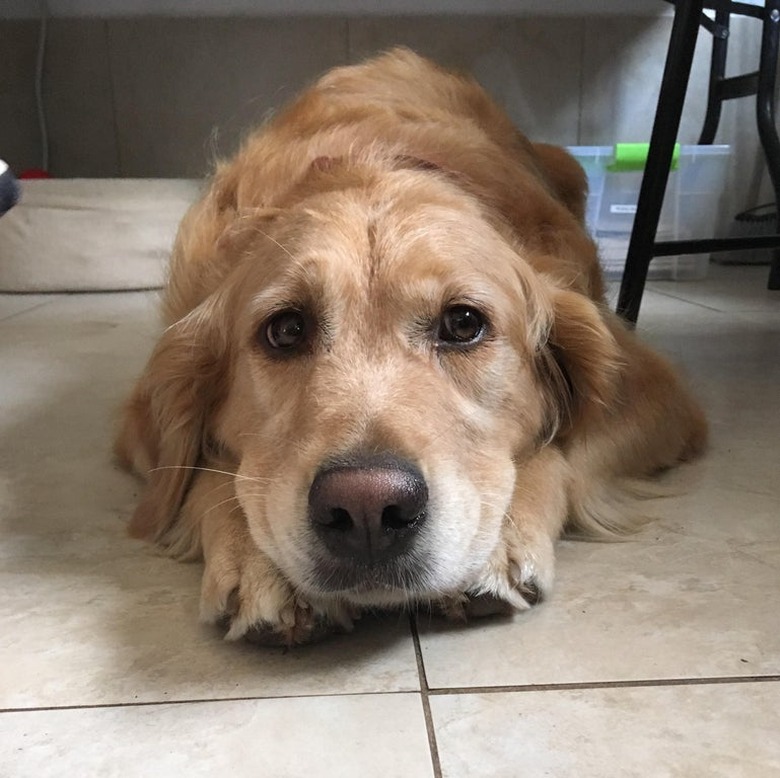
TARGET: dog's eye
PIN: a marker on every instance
(285, 331)
(461, 325)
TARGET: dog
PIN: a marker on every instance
(388, 376)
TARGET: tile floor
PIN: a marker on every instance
(655, 657)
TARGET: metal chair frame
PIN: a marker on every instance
(688, 19)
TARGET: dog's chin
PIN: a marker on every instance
(387, 584)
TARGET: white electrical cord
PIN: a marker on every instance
(39, 87)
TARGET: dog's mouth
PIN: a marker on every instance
(395, 579)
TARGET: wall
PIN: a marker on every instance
(164, 96)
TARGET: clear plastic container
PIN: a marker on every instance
(690, 206)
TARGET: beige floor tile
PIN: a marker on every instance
(90, 616)
(732, 360)
(100, 628)
(732, 289)
(686, 597)
(348, 737)
(727, 730)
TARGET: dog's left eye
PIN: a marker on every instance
(285, 331)
(461, 325)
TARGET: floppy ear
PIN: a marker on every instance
(580, 362)
(162, 435)
(566, 176)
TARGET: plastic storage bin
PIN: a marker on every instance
(690, 205)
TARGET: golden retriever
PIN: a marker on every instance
(389, 377)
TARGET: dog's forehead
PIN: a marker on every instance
(367, 239)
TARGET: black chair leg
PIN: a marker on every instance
(674, 85)
(765, 113)
(720, 44)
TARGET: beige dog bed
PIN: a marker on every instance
(91, 234)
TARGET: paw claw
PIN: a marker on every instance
(531, 592)
(453, 608)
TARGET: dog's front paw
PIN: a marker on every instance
(521, 570)
(519, 575)
(243, 590)
(297, 622)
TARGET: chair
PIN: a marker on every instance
(688, 18)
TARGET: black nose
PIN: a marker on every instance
(368, 510)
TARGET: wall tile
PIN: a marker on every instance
(623, 63)
(530, 66)
(164, 97)
(187, 89)
(20, 144)
(79, 103)
(748, 181)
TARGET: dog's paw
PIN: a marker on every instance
(469, 605)
(247, 594)
(519, 575)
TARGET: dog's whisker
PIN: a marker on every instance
(214, 507)
(256, 479)
(226, 485)
(236, 498)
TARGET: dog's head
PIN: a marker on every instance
(380, 360)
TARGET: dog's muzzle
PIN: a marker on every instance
(367, 514)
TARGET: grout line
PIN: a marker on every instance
(425, 697)
(200, 701)
(425, 690)
(664, 293)
(24, 311)
(585, 685)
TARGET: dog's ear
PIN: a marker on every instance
(566, 177)
(162, 435)
(580, 363)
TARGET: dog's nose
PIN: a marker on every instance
(368, 511)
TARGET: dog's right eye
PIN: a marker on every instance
(285, 331)
(461, 325)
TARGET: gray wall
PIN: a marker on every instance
(163, 96)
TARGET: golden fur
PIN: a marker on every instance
(385, 195)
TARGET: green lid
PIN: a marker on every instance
(633, 156)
